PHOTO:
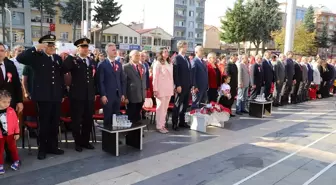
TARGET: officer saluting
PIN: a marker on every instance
(81, 93)
(47, 91)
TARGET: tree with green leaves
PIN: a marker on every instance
(234, 24)
(322, 40)
(264, 18)
(9, 4)
(304, 41)
(308, 20)
(107, 12)
(70, 13)
(45, 7)
(332, 41)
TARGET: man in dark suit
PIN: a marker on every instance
(10, 81)
(143, 61)
(257, 77)
(183, 82)
(81, 93)
(310, 76)
(268, 74)
(111, 84)
(298, 81)
(135, 81)
(200, 79)
(48, 91)
(289, 80)
(232, 71)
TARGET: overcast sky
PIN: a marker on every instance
(132, 10)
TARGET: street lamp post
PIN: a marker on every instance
(290, 25)
(10, 27)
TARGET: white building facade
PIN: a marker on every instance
(154, 39)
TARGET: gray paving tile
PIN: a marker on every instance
(100, 161)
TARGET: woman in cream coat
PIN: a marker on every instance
(163, 87)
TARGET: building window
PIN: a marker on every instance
(131, 40)
(135, 40)
(198, 35)
(190, 45)
(18, 18)
(63, 21)
(331, 19)
(149, 40)
(199, 3)
(191, 24)
(180, 12)
(143, 40)
(191, 13)
(126, 40)
(114, 39)
(78, 34)
(190, 34)
(180, 23)
(19, 4)
(199, 25)
(108, 38)
(192, 2)
(179, 34)
(64, 35)
(157, 41)
(331, 27)
(103, 38)
(121, 39)
(323, 18)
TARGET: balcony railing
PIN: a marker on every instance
(180, 16)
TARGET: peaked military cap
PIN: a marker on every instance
(50, 38)
(82, 42)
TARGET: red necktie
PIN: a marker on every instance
(140, 70)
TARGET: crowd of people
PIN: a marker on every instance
(40, 75)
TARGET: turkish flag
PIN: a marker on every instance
(52, 27)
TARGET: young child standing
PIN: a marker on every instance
(224, 93)
(9, 130)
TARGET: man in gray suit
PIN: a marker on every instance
(243, 84)
(135, 78)
(279, 74)
(303, 85)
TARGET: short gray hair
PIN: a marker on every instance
(109, 45)
(17, 47)
(133, 52)
(258, 57)
(181, 43)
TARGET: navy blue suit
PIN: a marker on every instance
(146, 65)
(111, 84)
(182, 78)
(200, 81)
(268, 76)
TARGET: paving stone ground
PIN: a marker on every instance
(244, 149)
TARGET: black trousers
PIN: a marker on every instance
(255, 92)
(180, 107)
(82, 121)
(233, 95)
(267, 89)
(48, 123)
(212, 94)
(223, 100)
(295, 90)
(134, 111)
(287, 92)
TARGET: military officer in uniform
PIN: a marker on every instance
(48, 91)
(81, 93)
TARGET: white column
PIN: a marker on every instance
(290, 25)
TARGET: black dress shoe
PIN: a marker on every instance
(239, 113)
(56, 152)
(184, 125)
(88, 146)
(231, 115)
(245, 111)
(41, 155)
(175, 127)
(78, 148)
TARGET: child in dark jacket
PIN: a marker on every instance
(9, 130)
